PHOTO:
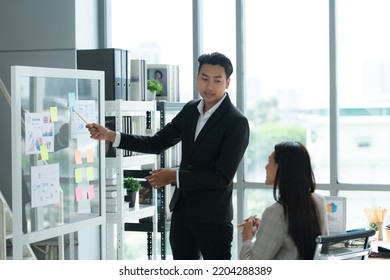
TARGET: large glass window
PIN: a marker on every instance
(158, 32)
(363, 60)
(358, 201)
(287, 81)
(218, 33)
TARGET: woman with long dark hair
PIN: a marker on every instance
(288, 228)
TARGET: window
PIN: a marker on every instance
(287, 81)
(218, 33)
(363, 88)
(155, 31)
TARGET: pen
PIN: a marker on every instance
(80, 116)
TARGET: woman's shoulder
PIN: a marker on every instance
(318, 197)
(319, 200)
(275, 209)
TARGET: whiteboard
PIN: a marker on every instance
(57, 178)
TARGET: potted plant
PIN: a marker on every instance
(132, 187)
(154, 87)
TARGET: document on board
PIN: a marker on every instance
(45, 184)
(83, 112)
(39, 132)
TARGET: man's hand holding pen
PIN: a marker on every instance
(99, 132)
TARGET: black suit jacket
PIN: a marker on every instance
(208, 164)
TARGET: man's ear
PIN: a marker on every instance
(227, 83)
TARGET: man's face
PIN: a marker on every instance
(212, 83)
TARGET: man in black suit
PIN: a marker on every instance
(214, 136)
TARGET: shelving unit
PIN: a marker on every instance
(168, 159)
(136, 117)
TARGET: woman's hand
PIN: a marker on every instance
(249, 227)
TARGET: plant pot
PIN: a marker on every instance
(130, 198)
(150, 96)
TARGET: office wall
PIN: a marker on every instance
(44, 33)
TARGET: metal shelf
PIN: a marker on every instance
(132, 214)
(131, 161)
(121, 163)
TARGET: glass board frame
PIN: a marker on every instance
(84, 167)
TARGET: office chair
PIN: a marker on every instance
(344, 246)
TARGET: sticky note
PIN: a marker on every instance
(54, 114)
(77, 157)
(91, 192)
(89, 155)
(90, 173)
(44, 152)
(79, 193)
(71, 99)
(78, 174)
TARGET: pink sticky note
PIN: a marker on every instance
(79, 193)
(91, 192)
(89, 155)
(77, 157)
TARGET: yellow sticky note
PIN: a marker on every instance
(79, 193)
(89, 155)
(91, 192)
(44, 152)
(90, 173)
(54, 114)
(78, 174)
(77, 157)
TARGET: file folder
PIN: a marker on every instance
(138, 79)
(124, 74)
(113, 62)
(128, 75)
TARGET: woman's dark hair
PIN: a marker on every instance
(159, 73)
(216, 58)
(293, 186)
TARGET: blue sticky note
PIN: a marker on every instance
(71, 99)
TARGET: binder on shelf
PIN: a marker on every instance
(110, 124)
(114, 64)
(127, 129)
(138, 80)
(124, 74)
(128, 75)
